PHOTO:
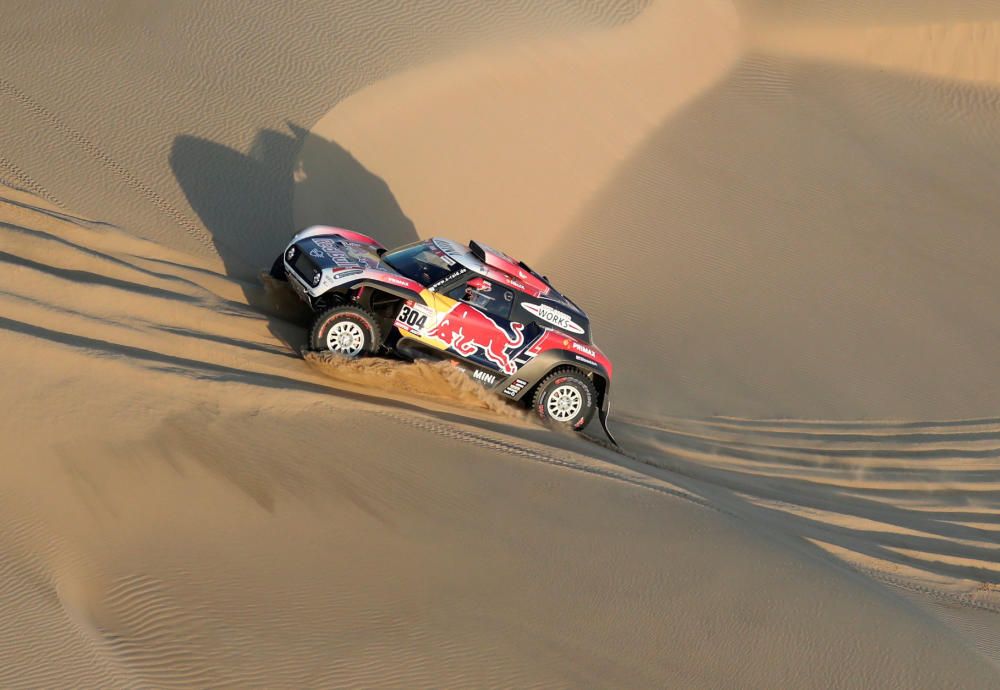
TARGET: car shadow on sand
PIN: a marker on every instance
(247, 202)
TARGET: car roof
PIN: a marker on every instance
(502, 268)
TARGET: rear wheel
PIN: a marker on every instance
(566, 397)
(348, 331)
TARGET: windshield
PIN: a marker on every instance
(422, 262)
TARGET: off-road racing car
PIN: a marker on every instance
(498, 320)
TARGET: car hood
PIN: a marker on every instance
(336, 253)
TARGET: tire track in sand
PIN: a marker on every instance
(20, 179)
(75, 136)
(511, 448)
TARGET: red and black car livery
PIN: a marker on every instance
(497, 319)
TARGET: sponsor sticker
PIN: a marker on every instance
(471, 333)
(394, 280)
(448, 278)
(515, 387)
(413, 317)
(553, 316)
(336, 252)
(484, 377)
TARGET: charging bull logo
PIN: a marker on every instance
(468, 331)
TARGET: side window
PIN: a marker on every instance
(490, 297)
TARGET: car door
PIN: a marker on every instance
(423, 322)
(477, 326)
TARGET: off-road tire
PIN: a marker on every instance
(366, 325)
(561, 384)
(278, 269)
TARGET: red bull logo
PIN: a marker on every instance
(468, 331)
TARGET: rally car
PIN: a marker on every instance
(494, 317)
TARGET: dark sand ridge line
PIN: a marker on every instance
(933, 513)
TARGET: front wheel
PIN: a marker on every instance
(566, 397)
(348, 331)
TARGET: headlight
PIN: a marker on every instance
(290, 254)
(317, 276)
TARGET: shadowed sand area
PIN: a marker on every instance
(797, 224)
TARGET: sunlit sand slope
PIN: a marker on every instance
(765, 217)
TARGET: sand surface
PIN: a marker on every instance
(781, 220)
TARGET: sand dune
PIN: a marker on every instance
(791, 207)
(509, 144)
(787, 236)
(203, 510)
(806, 269)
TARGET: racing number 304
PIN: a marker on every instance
(411, 317)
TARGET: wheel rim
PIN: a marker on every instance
(564, 403)
(345, 338)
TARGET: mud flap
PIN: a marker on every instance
(602, 414)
